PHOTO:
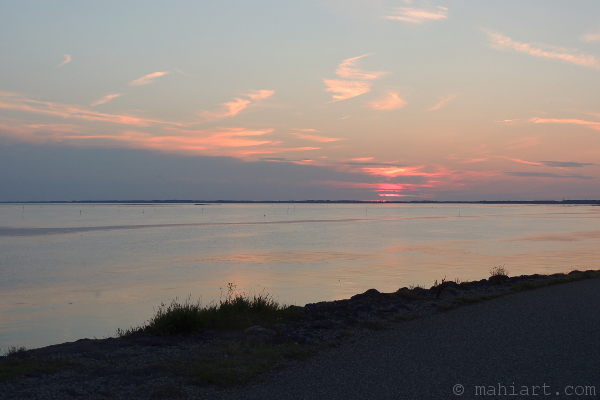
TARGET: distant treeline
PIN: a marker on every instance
(206, 202)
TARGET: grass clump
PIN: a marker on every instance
(555, 280)
(12, 350)
(236, 311)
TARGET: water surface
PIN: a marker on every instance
(69, 271)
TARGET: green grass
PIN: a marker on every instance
(13, 368)
(237, 364)
(236, 311)
(555, 280)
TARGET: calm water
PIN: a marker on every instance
(73, 271)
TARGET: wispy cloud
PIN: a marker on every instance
(391, 102)
(230, 109)
(546, 175)
(501, 42)
(591, 37)
(67, 60)
(316, 138)
(472, 160)
(234, 107)
(524, 142)
(519, 160)
(593, 124)
(442, 102)
(147, 79)
(566, 164)
(418, 15)
(18, 102)
(106, 99)
(347, 70)
(346, 89)
(260, 94)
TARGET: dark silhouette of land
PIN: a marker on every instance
(207, 202)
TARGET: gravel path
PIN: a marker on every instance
(532, 344)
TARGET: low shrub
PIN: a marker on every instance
(236, 311)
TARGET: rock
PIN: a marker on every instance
(368, 293)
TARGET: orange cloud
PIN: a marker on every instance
(346, 70)
(316, 138)
(260, 94)
(418, 15)
(346, 89)
(67, 60)
(501, 42)
(147, 79)
(106, 99)
(391, 102)
(442, 102)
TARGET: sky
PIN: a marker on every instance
(299, 100)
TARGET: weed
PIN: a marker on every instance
(498, 271)
(439, 288)
(236, 311)
(498, 275)
(408, 294)
(14, 350)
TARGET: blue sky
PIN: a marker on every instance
(296, 100)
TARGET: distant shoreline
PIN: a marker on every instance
(209, 202)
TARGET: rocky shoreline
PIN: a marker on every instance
(144, 367)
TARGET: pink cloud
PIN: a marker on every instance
(530, 141)
(230, 109)
(418, 15)
(346, 89)
(106, 99)
(391, 102)
(67, 60)
(260, 94)
(564, 121)
(501, 42)
(346, 70)
(591, 37)
(442, 102)
(147, 79)
(233, 108)
(520, 161)
(316, 138)
(473, 160)
(17, 102)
